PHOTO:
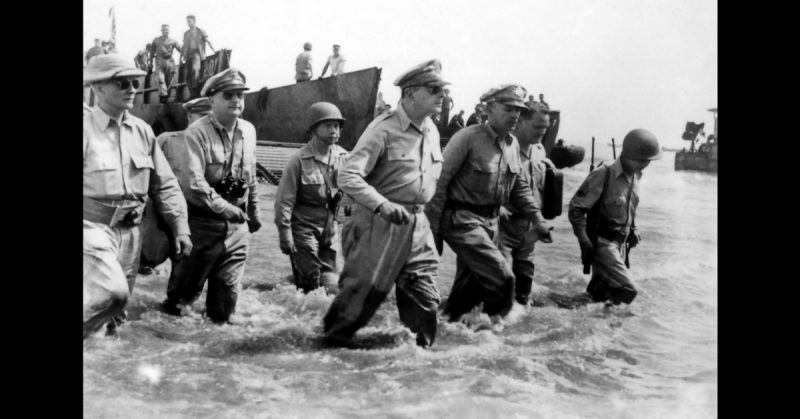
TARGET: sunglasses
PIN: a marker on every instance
(124, 84)
(435, 90)
(230, 95)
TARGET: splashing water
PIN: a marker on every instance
(656, 358)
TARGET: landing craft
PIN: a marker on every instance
(276, 113)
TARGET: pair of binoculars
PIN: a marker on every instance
(231, 187)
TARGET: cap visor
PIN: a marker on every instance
(517, 103)
(233, 89)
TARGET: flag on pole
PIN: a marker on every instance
(113, 17)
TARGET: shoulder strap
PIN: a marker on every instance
(605, 183)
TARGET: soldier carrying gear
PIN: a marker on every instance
(609, 196)
(306, 202)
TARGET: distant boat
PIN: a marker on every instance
(705, 157)
(669, 149)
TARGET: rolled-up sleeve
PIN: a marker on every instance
(362, 160)
(285, 198)
(197, 190)
(166, 193)
(455, 153)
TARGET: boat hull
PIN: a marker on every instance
(701, 160)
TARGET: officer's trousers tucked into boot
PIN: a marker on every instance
(110, 264)
(482, 273)
(610, 278)
(218, 254)
(378, 256)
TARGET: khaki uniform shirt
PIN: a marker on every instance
(480, 168)
(211, 155)
(162, 47)
(533, 169)
(302, 195)
(619, 204)
(394, 160)
(174, 147)
(122, 162)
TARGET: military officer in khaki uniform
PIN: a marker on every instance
(613, 188)
(221, 192)
(517, 235)
(156, 236)
(391, 174)
(307, 201)
(482, 171)
(122, 166)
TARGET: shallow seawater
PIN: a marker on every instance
(656, 358)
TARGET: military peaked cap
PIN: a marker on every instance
(200, 105)
(230, 79)
(508, 94)
(424, 74)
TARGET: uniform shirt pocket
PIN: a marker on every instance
(309, 173)
(617, 210)
(216, 155)
(140, 177)
(99, 164)
(483, 166)
(309, 177)
(141, 161)
(398, 154)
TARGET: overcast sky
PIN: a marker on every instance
(609, 66)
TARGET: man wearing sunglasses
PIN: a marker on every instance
(481, 172)
(517, 235)
(122, 166)
(220, 188)
(391, 174)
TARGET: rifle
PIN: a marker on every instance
(333, 198)
(613, 148)
(591, 166)
(593, 223)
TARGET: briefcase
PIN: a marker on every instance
(552, 194)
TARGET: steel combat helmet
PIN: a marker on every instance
(640, 144)
(322, 111)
